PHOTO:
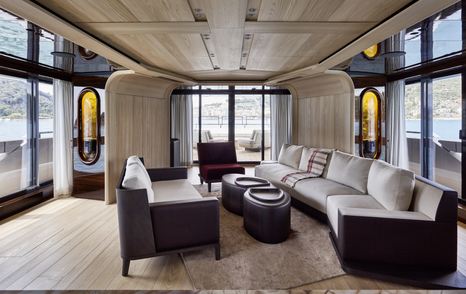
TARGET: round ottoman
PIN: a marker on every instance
(233, 190)
(267, 218)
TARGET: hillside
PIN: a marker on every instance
(13, 98)
(446, 95)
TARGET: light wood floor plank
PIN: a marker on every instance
(72, 244)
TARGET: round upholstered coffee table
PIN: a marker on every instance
(267, 215)
(233, 188)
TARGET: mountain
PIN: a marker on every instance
(13, 99)
(446, 99)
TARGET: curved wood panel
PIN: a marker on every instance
(137, 122)
(323, 111)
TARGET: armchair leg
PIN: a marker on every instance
(209, 187)
(202, 181)
(217, 252)
(125, 268)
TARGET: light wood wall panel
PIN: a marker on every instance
(323, 111)
(137, 121)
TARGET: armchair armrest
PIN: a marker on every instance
(134, 224)
(187, 223)
(395, 237)
(166, 174)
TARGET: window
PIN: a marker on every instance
(436, 36)
(13, 35)
(45, 132)
(446, 107)
(234, 113)
(248, 127)
(214, 118)
(447, 31)
(15, 151)
(89, 126)
(413, 125)
(46, 47)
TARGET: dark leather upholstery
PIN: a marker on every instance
(268, 222)
(216, 171)
(217, 159)
(148, 230)
(405, 242)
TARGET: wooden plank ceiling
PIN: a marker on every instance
(226, 38)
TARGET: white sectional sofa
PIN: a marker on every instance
(377, 213)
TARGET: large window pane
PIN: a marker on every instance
(248, 127)
(45, 132)
(195, 125)
(267, 129)
(15, 160)
(46, 47)
(447, 32)
(413, 125)
(446, 127)
(413, 45)
(13, 35)
(214, 124)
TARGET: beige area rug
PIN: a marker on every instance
(306, 257)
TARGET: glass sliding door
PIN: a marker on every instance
(248, 127)
(214, 118)
(446, 98)
(15, 143)
(240, 114)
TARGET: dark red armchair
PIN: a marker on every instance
(215, 160)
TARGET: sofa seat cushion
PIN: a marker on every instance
(336, 202)
(174, 190)
(314, 192)
(216, 171)
(349, 170)
(391, 186)
(274, 172)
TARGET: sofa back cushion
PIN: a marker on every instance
(290, 155)
(391, 186)
(136, 177)
(349, 170)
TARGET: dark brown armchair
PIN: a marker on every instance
(164, 227)
(215, 160)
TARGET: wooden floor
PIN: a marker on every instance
(73, 244)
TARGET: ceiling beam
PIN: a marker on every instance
(409, 16)
(305, 27)
(252, 27)
(168, 27)
(49, 21)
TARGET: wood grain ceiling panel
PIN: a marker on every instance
(90, 10)
(121, 10)
(284, 52)
(179, 52)
(226, 20)
(328, 10)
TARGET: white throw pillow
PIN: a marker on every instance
(290, 155)
(349, 170)
(136, 177)
(391, 186)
